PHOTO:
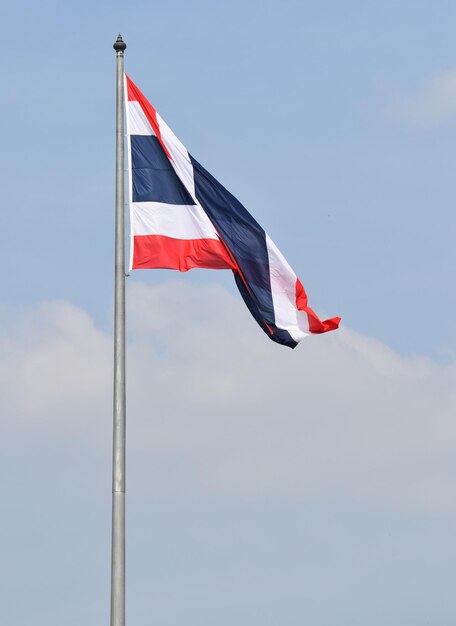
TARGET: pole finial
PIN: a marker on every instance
(119, 45)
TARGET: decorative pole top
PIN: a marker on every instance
(119, 45)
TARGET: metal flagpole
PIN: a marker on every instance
(118, 451)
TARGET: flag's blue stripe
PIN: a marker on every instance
(153, 177)
(246, 241)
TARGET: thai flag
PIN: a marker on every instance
(181, 218)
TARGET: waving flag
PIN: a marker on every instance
(181, 218)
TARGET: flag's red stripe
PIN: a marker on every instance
(133, 94)
(159, 251)
(130, 89)
(316, 325)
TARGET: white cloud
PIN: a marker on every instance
(55, 373)
(432, 104)
(225, 413)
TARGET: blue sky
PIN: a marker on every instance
(266, 486)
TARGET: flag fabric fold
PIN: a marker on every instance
(182, 218)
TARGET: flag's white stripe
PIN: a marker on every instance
(180, 159)
(170, 220)
(138, 122)
(283, 288)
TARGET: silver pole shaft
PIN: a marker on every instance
(118, 453)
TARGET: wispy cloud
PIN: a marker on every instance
(431, 104)
(341, 416)
(255, 473)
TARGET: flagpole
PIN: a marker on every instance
(118, 450)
